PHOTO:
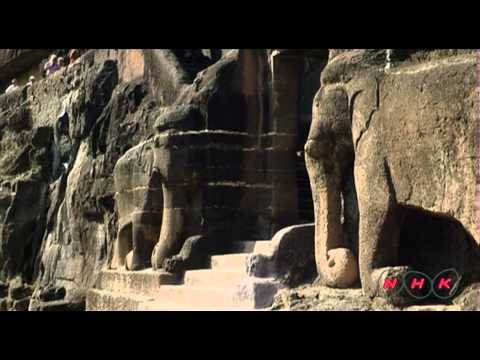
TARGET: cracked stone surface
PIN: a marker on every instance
(321, 298)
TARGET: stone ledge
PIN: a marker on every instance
(145, 281)
(14, 61)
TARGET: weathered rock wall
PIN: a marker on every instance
(232, 124)
(61, 139)
(50, 225)
(19, 63)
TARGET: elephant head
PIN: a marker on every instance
(329, 153)
(139, 200)
(178, 159)
(400, 124)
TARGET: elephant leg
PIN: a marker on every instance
(144, 238)
(172, 233)
(123, 246)
(147, 225)
(379, 233)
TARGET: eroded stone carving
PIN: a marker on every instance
(205, 153)
(410, 130)
(183, 188)
(328, 155)
(140, 204)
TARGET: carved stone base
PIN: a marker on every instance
(247, 277)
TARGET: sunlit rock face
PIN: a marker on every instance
(156, 159)
(404, 124)
(164, 145)
(20, 64)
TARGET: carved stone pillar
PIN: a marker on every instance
(286, 69)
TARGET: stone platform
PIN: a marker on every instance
(226, 285)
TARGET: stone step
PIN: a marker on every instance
(187, 297)
(141, 282)
(226, 286)
(103, 300)
(249, 295)
(259, 246)
(218, 278)
(230, 261)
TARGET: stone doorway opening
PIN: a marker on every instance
(311, 68)
(296, 80)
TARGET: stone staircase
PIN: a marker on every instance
(226, 285)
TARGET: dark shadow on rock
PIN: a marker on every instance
(431, 243)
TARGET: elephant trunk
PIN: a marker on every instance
(336, 264)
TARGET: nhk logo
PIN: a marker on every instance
(420, 286)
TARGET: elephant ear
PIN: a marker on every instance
(364, 102)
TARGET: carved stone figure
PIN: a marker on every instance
(180, 169)
(329, 156)
(408, 132)
(139, 201)
(203, 182)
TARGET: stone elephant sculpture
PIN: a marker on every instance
(177, 208)
(156, 198)
(139, 200)
(408, 134)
